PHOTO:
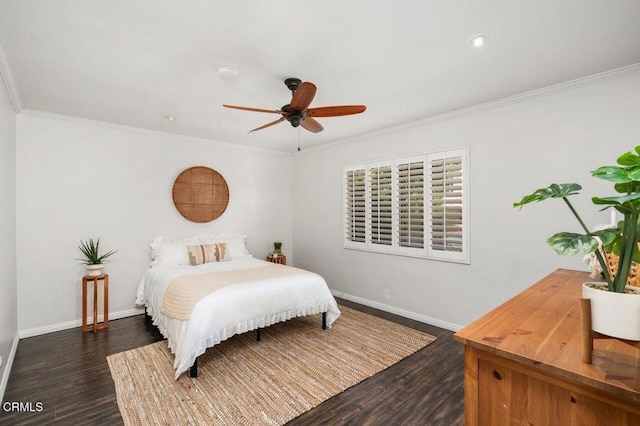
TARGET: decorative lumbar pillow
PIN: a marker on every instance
(205, 253)
(236, 243)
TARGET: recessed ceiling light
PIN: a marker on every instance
(478, 40)
(228, 72)
(170, 117)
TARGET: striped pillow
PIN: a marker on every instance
(205, 253)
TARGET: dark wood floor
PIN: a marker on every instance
(68, 374)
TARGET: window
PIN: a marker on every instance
(413, 206)
(380, 196)
(447, 206)
(356, 205)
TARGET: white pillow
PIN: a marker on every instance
(166, 252)
(236, 243)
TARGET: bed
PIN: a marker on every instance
(198, 306)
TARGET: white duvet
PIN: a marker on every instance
(233, 309)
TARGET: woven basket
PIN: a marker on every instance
(612, 265)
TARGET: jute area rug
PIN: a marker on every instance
(294, 367)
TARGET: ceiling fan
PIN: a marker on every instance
(298, 113)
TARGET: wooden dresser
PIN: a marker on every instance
(523, 363)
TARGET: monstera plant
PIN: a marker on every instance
(622, 238)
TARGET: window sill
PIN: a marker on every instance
(404, 254)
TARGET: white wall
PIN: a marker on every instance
(514, 150)
(79, 179)
(8, 298)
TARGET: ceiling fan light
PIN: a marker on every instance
(294, 119)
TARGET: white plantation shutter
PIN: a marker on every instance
(381, 204)
(447, 205)
(415, 206)
(355, 205)
(410, 214)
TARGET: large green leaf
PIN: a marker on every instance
(627, 187)
(607, 236)
(615, 245)
(552, 191)
(634, 173)
(570, 243)
(627, 203)
(613, 174)
(630, 158)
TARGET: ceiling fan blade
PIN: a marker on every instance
(273, 123)
(312, 125)
(335, 111)
(303, 96)
(254, 109)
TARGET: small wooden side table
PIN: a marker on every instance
(281, 259)
(95, 279)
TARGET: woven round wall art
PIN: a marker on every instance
(200, 194)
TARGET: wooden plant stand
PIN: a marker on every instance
(105, 302)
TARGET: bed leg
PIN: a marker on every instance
(324, 320)
(257, 334)
(193, 371)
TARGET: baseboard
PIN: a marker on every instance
(6, 367)
(76, 323)
(398, 311)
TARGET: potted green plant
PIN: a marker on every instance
(277, 246)
(616, 310)
(93, 260)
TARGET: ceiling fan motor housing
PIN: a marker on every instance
(294, 117)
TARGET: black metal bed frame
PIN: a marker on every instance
(193, 370)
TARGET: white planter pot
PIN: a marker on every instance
(614, 314)
(94, 270)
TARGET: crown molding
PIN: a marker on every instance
(9, 82)
(498, 103)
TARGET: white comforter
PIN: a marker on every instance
(231, 310)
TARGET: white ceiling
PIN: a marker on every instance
(133, 62)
